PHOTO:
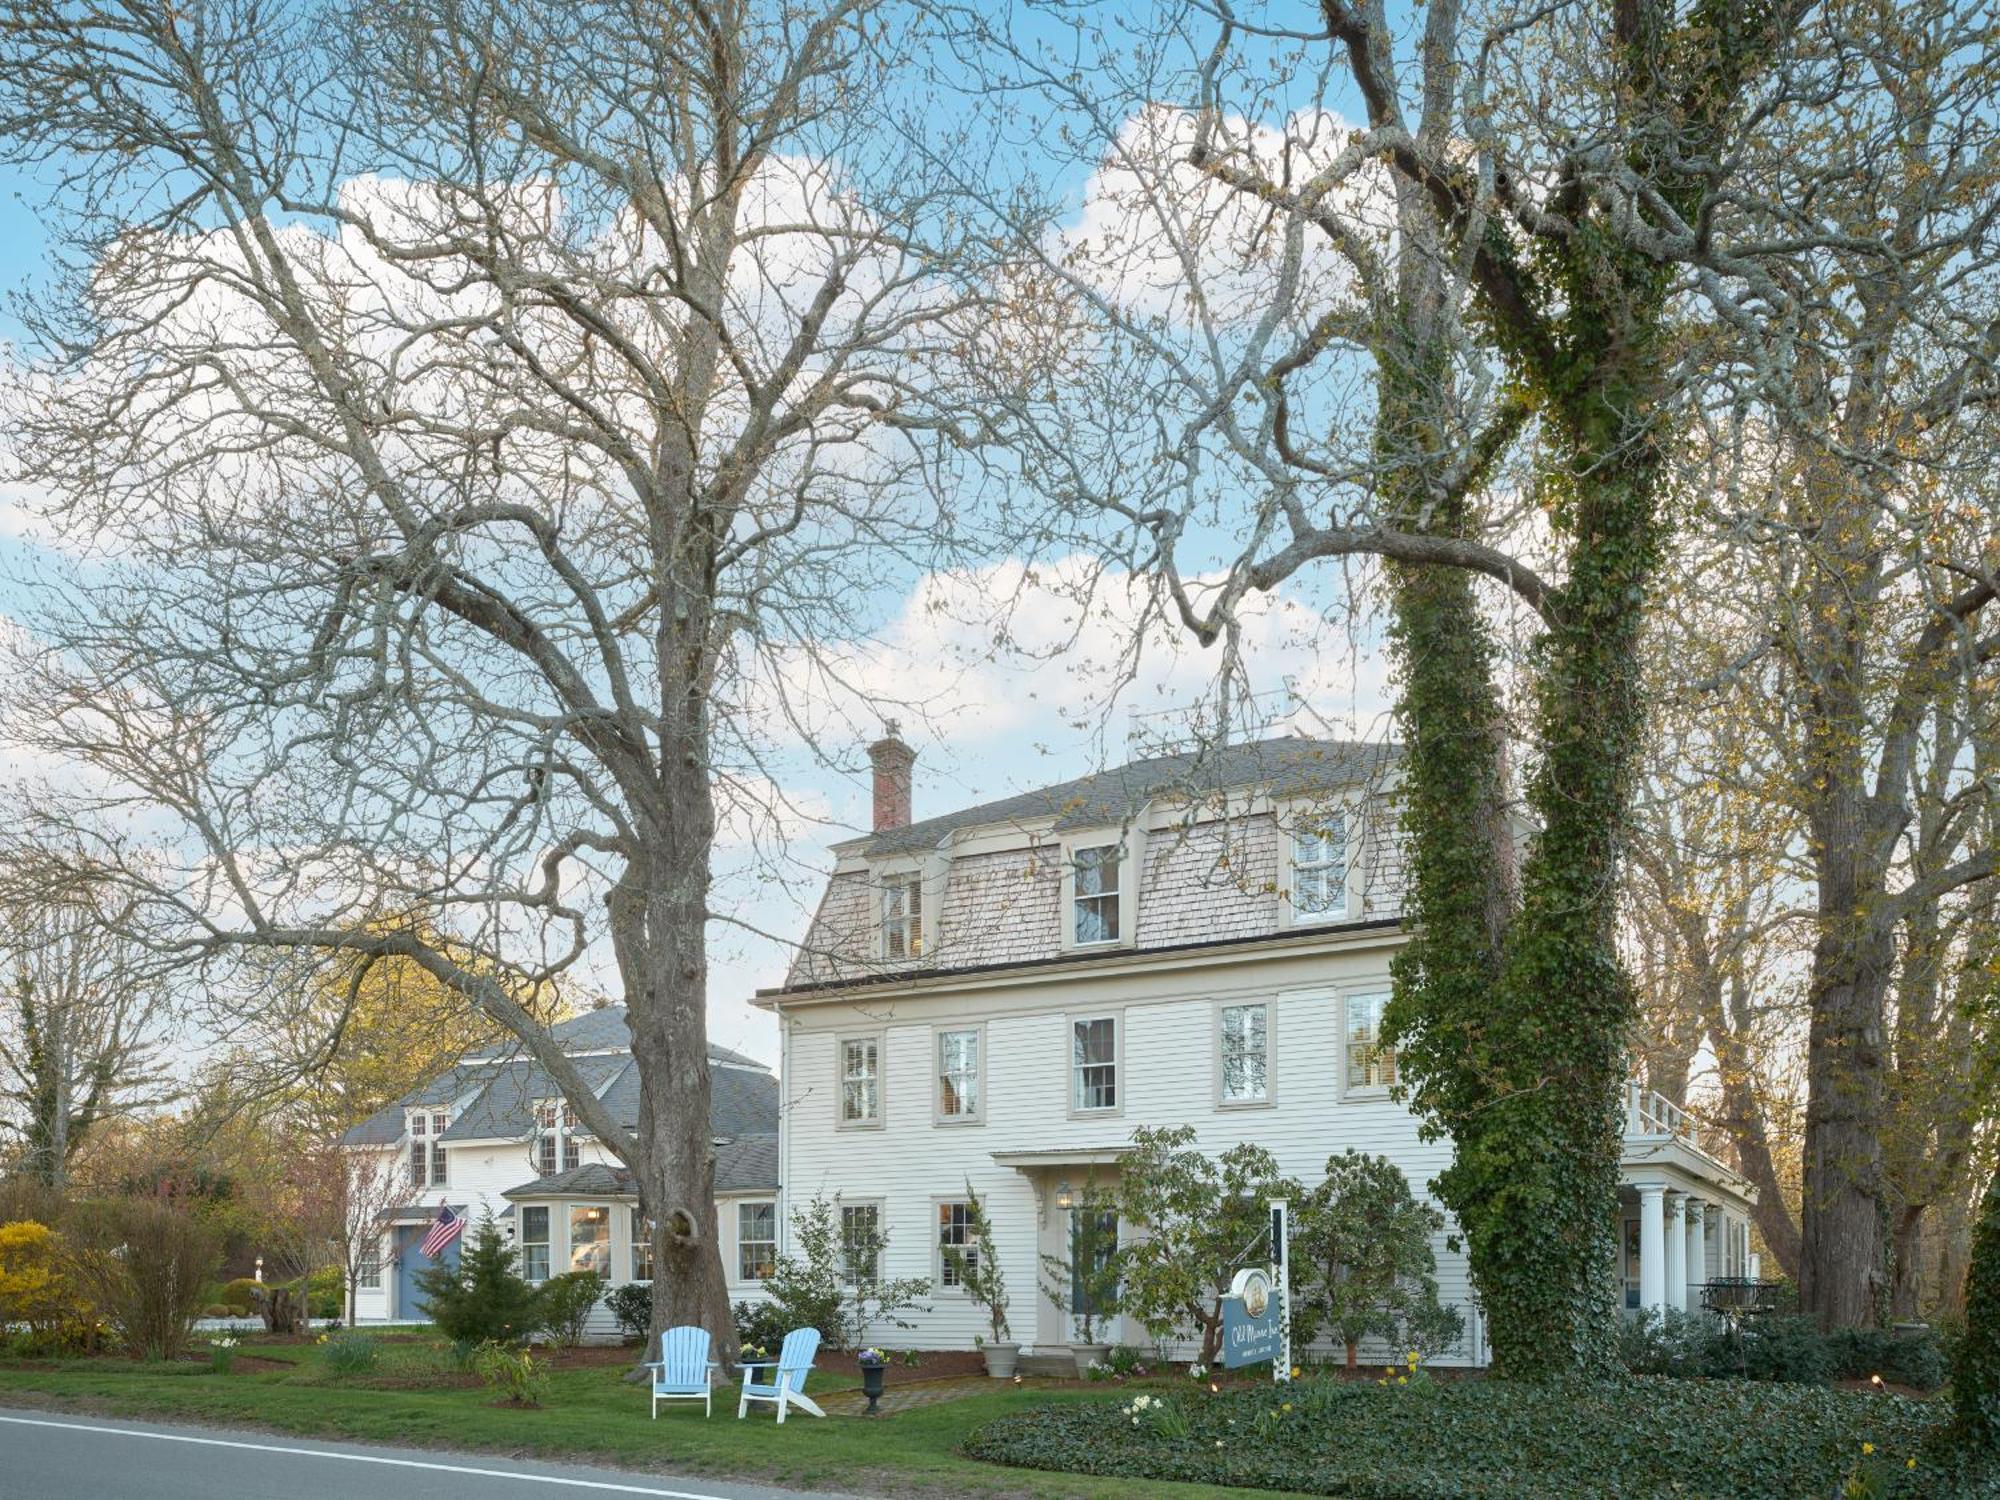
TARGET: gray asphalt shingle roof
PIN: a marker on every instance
(1291, 766)
(601, 1030)
(741, 1166)
(505, 1086)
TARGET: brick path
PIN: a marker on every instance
(916, 1393)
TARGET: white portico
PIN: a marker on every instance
(1684, 1215)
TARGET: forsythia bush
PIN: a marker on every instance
(36, 1291)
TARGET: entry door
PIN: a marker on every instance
(410, 1259)
(1092, 1234)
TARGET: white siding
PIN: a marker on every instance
(1167, 1079)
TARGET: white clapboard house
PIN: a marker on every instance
(491, 1136)
(999, 996)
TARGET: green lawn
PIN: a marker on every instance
(591, 1415)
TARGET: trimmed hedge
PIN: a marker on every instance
(1781, 1348)
(1497, 1440)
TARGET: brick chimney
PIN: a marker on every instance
(892, 760)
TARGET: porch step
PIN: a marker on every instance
(1047, 1364)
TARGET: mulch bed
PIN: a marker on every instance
(932, 1364)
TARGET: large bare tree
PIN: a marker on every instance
(478, 412)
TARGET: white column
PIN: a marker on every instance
(1677, 1266)
(1652, 1248)
(1697, 1267)
(1715, 1259)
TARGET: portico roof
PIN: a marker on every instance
(1060, 1156)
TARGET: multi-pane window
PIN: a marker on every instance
(642, 1246)
(368, 1271)
(1370, 1064)
(590, 1238)
(861, 1243)
(556, 1145)
(958, 1246)
(535, 1244)
(1097, 894)
(958, 1074)
(756, 1240)
(1246, 1054)
(1319, 865)
(426, 1150)
(1094, 1063)
(860, 1080)
(903, 917)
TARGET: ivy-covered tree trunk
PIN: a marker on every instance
(1975, 1373)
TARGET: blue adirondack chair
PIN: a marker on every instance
(787, 1383)
(683, 1372)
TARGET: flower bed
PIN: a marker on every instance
(1498, 1440)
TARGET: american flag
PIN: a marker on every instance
(447, 1228)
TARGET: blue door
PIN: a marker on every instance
(411, 1259)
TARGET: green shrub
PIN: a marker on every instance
(349, 1354)
(566, 1302)
(761, 1325)
(241, 1294)
(324, 1295)
(1975, 1371)
(632, 1305)
(1787, 1349)
(511, 1372)
(1641, 1437)
(145, 1264)
(481, 1299)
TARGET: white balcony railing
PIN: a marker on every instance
(1651, 1114)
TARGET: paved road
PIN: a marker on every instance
(50, 1455)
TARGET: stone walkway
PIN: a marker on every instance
(916, 1393)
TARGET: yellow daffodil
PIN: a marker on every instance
(1867, 1448)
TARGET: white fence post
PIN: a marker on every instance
(1281, 1272)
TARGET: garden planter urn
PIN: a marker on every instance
(1087, 1355)
(871, 1384)
(1001, 1359)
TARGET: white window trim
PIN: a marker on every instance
(1131, 845)
(634, 1238)
(1364, 1093)
(1270, 1095)
(737, 1228)
(929, 872)
(1290, 815)
(522, 1242)
(938, 1286)
(840, 1207)
(938, 1116)
(840, 1041)
(1115, 1015)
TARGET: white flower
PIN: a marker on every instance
(1197, 1371)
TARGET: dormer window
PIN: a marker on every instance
(1096, 898)
(427, 1162)
(1319, 865)
(903, 916)
(556, 1147)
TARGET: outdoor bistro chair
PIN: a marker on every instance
(683, 1372)
(787, 1384)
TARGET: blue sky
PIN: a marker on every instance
(1001, 727)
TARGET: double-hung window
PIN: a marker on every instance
(590, 1238)
(1094, 1063)
(1370, 1063)
(958, 1246)
(958, 1075)
(1096, 897)
(1319, 866)
(642, 1246)
(438, 1122)
(368, 1271)
(535, 1244)
(420, 1149)
(861, 1080)
(861, 1243)
(756, 1240)
(1245, 1043)
(556, 1145)
(903, 916)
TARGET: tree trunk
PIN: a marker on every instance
(1906, 1270)
(1842, 1208)
(1353, 1355)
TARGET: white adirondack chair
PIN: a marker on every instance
(787, 1385)
(683, 1372)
